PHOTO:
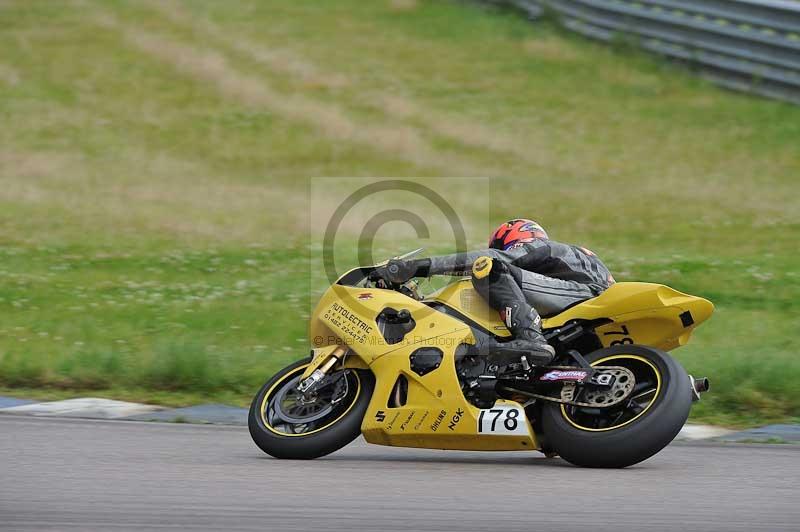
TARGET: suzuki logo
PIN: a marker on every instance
(380, 415)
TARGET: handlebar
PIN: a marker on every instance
(360, 277)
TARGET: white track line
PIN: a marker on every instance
(86, 407)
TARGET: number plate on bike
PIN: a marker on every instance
(502, 420)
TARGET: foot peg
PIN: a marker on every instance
(503, 356)
(699, 385)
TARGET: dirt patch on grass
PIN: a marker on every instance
(32, 165)
(278, 59)
(156, 194)
(403, 5)
(533, 151)
(210, 66)
(9, 76)
(550, 49)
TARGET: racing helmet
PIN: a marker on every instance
(515, 233)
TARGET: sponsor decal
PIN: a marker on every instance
(345, 320)
(391, 423)
(439, 418)
(380, 415)
(408, 420)
(559, 375)
(421, 420)
(364, 295)
(455, 419)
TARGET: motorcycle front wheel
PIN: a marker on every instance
(285, 424)
(635, 429)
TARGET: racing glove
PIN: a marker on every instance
(398, 271)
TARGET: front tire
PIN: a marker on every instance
(304, 431)
(625, 436)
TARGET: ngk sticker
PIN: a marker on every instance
(559, 375)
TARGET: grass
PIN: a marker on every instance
(156, 159)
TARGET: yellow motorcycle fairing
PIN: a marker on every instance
(435, 413)
(640, 313)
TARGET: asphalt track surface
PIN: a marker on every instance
(58, 474)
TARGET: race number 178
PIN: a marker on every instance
(502, 419)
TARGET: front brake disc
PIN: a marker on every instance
(293, 407)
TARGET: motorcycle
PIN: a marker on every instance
(412, 370)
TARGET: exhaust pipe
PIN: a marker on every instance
(699, 385)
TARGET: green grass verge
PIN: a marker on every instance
(155, 157)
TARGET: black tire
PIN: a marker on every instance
(333, 437)
(635, 441)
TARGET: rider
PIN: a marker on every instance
(523, 274)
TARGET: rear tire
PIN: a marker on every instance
(343, 428)
(639, 438)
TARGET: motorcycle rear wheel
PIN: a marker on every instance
(637, 428)
(285, 425)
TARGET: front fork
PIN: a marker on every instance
(324, 359)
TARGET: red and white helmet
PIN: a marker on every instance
(515, 233)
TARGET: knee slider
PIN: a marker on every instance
(482, 267)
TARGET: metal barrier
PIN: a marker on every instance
(747, 45)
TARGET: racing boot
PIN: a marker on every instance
(523, 321)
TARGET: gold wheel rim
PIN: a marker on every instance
(300, 369)
(634, 418)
